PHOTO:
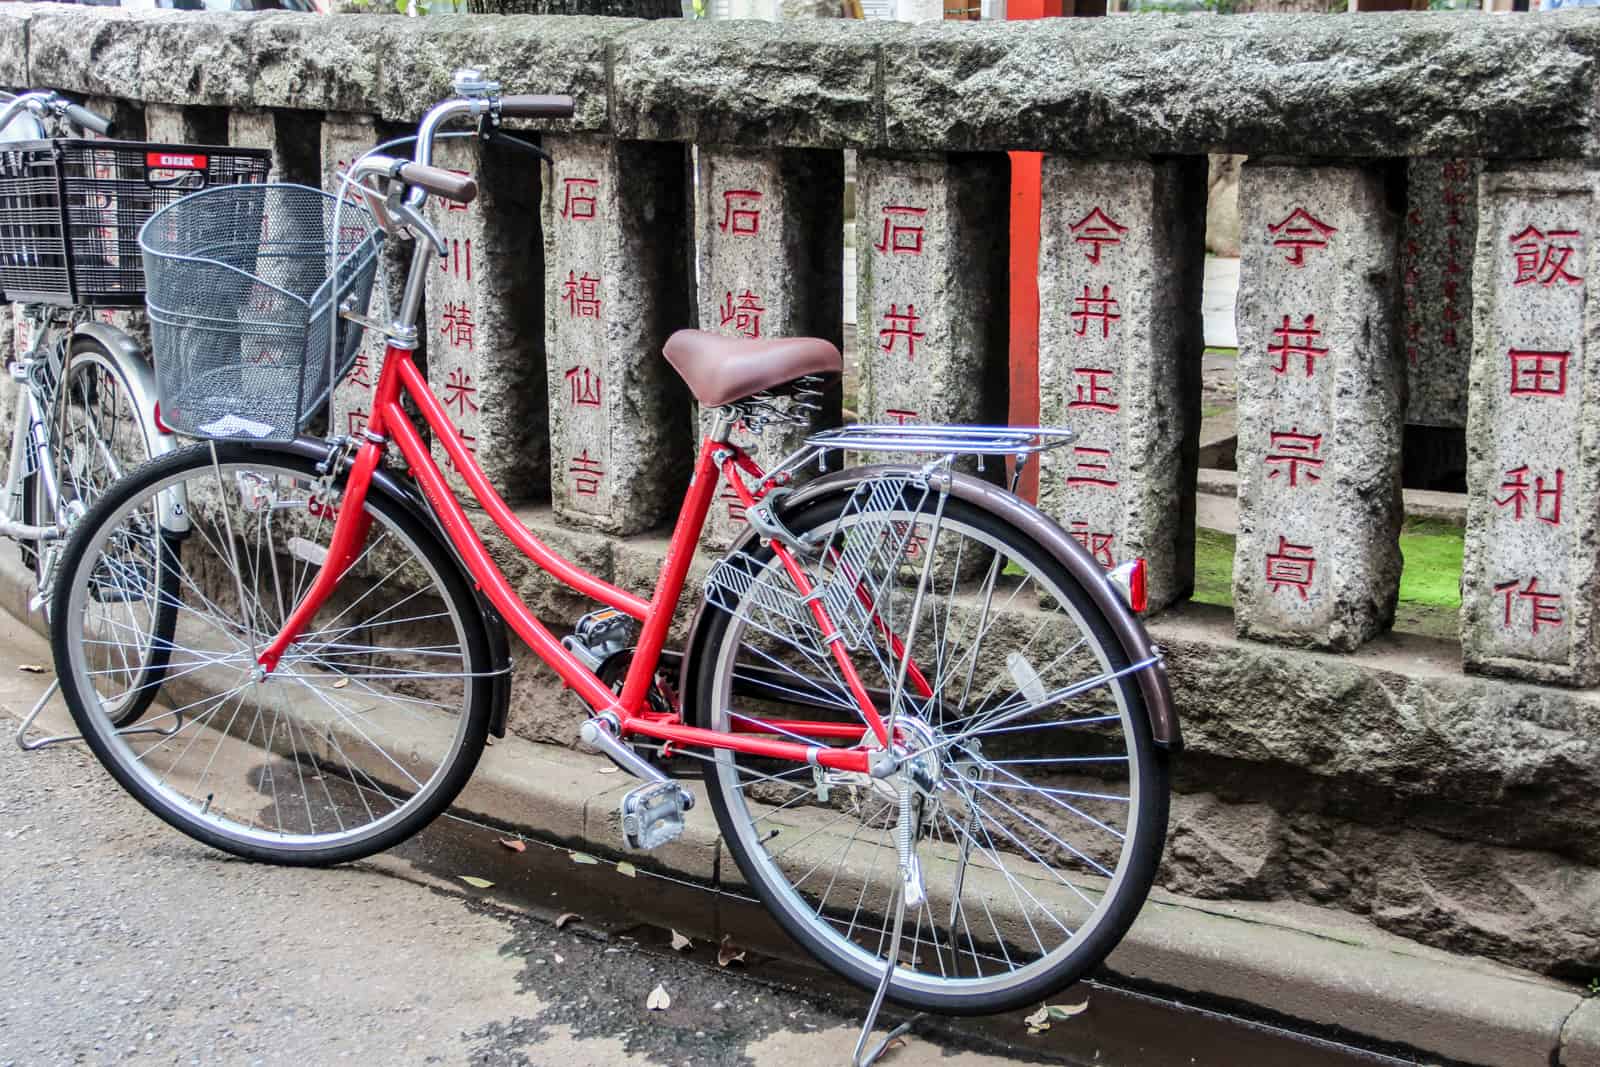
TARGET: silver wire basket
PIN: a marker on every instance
(244, 287)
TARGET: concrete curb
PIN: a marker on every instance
(1328, 972)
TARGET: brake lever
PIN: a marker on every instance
(496, 136)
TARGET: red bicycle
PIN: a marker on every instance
(933, 733)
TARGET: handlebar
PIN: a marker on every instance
(86, 119)
(462, 188)
(537, 107)
(42, 101)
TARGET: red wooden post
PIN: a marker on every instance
(1024, 403)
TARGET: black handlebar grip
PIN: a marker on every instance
(537, 107)
(88, 120)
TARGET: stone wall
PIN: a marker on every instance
(1415, 193)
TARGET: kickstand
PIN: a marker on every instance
(59, 739)
(22, 731)
(865, 1058)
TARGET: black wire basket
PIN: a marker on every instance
(246, 286)
(71, 211)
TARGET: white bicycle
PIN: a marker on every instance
(86, 408)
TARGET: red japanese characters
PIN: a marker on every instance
(1096, 230)
(584, 387)
(1545, 258)
(578, 198)
(741, 213)
(1537, 373)
(1291, 344)
(1292, 567)
(901, 324)
(1540, 608)
(1298, 233)
(902, 230)
(743, 313)
(1093, 390)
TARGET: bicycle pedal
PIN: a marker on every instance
(652, 815)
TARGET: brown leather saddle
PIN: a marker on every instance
(720, 370)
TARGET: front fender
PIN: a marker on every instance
(1130, 633)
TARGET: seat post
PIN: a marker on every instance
(722, 428)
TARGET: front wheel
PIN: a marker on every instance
(372, 721)
(1030, 792)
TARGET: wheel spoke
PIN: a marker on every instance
(1026, 744)
(357, 729)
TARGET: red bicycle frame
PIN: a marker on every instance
(388, 419)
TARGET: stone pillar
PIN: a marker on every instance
(616, 251)
(1436, 264)
(1121, 260)
(932, 288)
(293, 141)
(345, 138)
(166, 124)
(255, 128)
(485, 313)
(770, 238)
(1531, 577)
(1320, 385)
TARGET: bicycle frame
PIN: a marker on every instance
(718, 458)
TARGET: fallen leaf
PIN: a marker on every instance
(583, 857)
(513, 844)
(31, 668)
(681, 943)
(476, 883)
(1039, 1021)
(894, 1043)
(567, 917)
(658, 999)
(1067, 1011)
(627, 869)
(341, 683)
(728, 952)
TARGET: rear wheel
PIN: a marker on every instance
(1030, 791)
(97, 434)
(372, 721)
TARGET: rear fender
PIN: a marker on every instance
(142, 384)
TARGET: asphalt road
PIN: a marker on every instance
(126, 942)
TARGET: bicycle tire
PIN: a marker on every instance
(800, 913)
(80, 391)
(387, 703)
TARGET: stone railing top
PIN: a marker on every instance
(1366, 85)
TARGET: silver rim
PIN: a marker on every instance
(364, 715)
(1023, 840)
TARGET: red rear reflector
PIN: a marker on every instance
(1138, 595)
(1128, 579)
(175, 161)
